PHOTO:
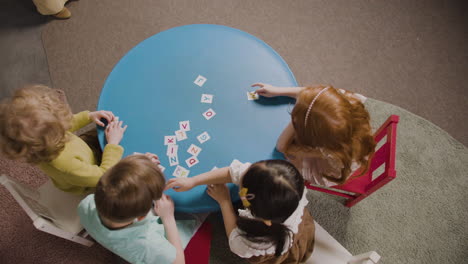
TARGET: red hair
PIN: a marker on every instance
(338, 123)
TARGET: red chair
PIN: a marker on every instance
(358, 188)
(198, 249)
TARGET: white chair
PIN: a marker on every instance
(51, 210)
(329, 251)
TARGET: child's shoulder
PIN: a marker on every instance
(87, 203)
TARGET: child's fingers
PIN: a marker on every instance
(257, 85)
(99, 123)
(210, 188)
(170, 183)
(154, 158)
(173, 185)
(261, 91)
(151, 155)
(110, 114)
(106, 116)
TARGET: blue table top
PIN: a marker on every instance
(152, 89)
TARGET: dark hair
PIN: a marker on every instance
(127, 190)
(278, 187)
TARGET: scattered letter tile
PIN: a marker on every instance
(207, 98)
(181, 135)
(169, 140)
(200, 80)
(203, 137)
(172, 150)
(252, 96)
(209, 114)
(184, 125)
(192, 161)
(194, 150)
(174, 160)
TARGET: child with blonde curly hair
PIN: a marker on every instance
(37, 125)
(329, 136)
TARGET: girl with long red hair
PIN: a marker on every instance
(329, 136)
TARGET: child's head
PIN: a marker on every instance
(127, 190)
(276, 187)
(33, 124)
(336, 122)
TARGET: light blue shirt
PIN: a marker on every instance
(140, 242)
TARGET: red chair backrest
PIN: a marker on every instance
(385, 154)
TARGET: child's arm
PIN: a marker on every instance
(164, 208)
(286, 138)
(212, 177)
(80, 120)
(268, 90)
(83, 173)
(220, 193)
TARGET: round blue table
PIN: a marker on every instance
(152, 89)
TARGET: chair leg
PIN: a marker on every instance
(47, 227)
(369, 257)
(351, 202)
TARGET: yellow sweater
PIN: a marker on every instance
(75, 170)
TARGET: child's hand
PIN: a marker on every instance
(153, 157)
(219, 192)
(114, 132)
(97, 115)
(164, 207)
(267, 90)
(180, 184)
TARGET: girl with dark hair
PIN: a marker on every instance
(274, 226)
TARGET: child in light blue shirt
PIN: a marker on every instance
(120, 217)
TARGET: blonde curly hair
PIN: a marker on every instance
(33, 124)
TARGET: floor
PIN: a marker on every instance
(424, 43)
